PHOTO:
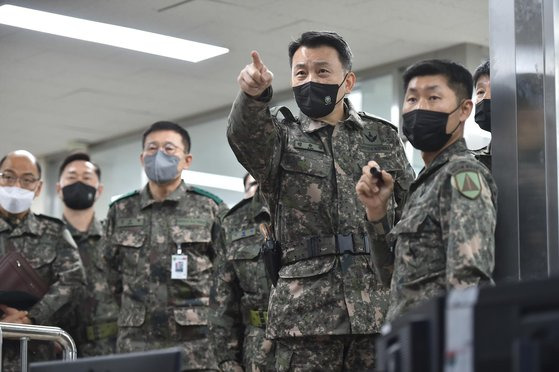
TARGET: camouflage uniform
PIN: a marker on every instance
(157, 311)
(49, 248)
(95, 329)
(445, 238)
(484, 155)
(241, 290)
(307, 171)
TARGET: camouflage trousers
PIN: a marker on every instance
(258, 352)
(326, 353)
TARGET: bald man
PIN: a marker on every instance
(48, 247)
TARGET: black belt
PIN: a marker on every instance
(325, 245)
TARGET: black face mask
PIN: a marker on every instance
(317, 100)
(483, 114)
(426, 130)
(78, 195)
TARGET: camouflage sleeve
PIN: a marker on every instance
(112, 257)
(66, 293)
(468, 225)
(403, 179)
(381, 254)
(226, 328)
(254, 137)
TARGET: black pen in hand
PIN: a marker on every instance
(376, 172)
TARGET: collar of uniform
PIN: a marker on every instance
(309, 125)
(29, 225)
(260, 210)
(456, 148)
(146, 199)
(4, 225)
(94, 230)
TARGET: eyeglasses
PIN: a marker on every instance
(26, 181)
(168, 148)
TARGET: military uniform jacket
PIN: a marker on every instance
(484, 155)
(50, 250)
(155, 310)
(95, 328)
(241, 286)
(445, 238)
(307, 171)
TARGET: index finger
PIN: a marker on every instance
(256, 60)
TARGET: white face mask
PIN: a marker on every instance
(15, 200)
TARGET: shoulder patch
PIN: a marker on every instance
(51, 218)
(379, 119)
(468, 183)
(124, 196)
(208, 194)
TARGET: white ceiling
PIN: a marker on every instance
(56, 91)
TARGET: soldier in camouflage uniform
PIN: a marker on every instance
(241, 289)
(48, 247)
(327, 306)
(94, 328)
(161, 247)
(445, 238)
(482, 86)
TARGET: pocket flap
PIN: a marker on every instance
(187, 316)
(200, 233)
(129, 237)
(302, 163)
(308, 268)
(245, 252)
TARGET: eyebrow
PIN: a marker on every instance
(317, 63)
(427, 88)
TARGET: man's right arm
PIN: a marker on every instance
(375, 195)
(252, 134)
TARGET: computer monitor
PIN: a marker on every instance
(414, 341)
(163, 360)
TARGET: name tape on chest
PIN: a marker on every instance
(244, 233)
(308, 146)
(130, 222)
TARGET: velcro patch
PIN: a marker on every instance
(468, 183)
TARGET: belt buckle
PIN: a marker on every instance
(344, 243)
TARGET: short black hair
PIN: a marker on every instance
(78, 156)
(480, 71)
(168, 125)
(315, 39)
(458, 77)
(39, 170)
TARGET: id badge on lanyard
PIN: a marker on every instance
(179, 264)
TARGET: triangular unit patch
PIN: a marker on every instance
(468, 183)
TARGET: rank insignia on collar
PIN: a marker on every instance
(468, 183)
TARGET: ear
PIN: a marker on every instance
(99, 190)
(38, 189)
(187, 161)
(466, 110)
(349, 82)
(142, 158)
(59, 190)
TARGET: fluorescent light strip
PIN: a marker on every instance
(103, 33)
(213, 180)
